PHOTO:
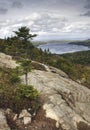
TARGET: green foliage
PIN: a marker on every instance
(23, 33)
(76, 65)
(25, 65)
(26, 68)
(14, 79)
(15, 95)
(18, 45)
(27, 92)
(18, 97)
(85, 42)
(82, 58)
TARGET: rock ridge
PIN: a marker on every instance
(67, 102)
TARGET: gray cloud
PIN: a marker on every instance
(17, 4)
(87, 6)
(3, 10)
(45, 16)
(49, 23)
(38, 23)
(45, 23)
(87, 13)
(87, 9)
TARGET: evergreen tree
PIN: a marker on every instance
(26, 67)
(23, 33)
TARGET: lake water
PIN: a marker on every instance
(61, 48)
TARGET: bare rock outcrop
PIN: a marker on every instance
(3, 121)
(39, 66)
(7, 61)
(64, 100)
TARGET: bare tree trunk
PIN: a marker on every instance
(26, 79)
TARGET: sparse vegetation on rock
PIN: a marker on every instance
(15, 95)
(65, 101)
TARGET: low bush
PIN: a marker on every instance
(15, 95)
(18, 97)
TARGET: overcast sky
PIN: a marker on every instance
(50, 19)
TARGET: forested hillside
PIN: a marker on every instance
(76, 65)
(85, 43)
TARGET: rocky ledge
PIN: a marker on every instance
(7, 61)
(64, 100)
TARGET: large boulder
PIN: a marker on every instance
(64, 100)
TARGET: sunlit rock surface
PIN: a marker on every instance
(3, 122)
(7, 61)
(64, 100)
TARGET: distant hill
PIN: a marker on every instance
(85, 42)
(37, 43)
(78, 42)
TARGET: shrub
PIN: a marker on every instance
(28, 92)
(15, 79)
(18, 97)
